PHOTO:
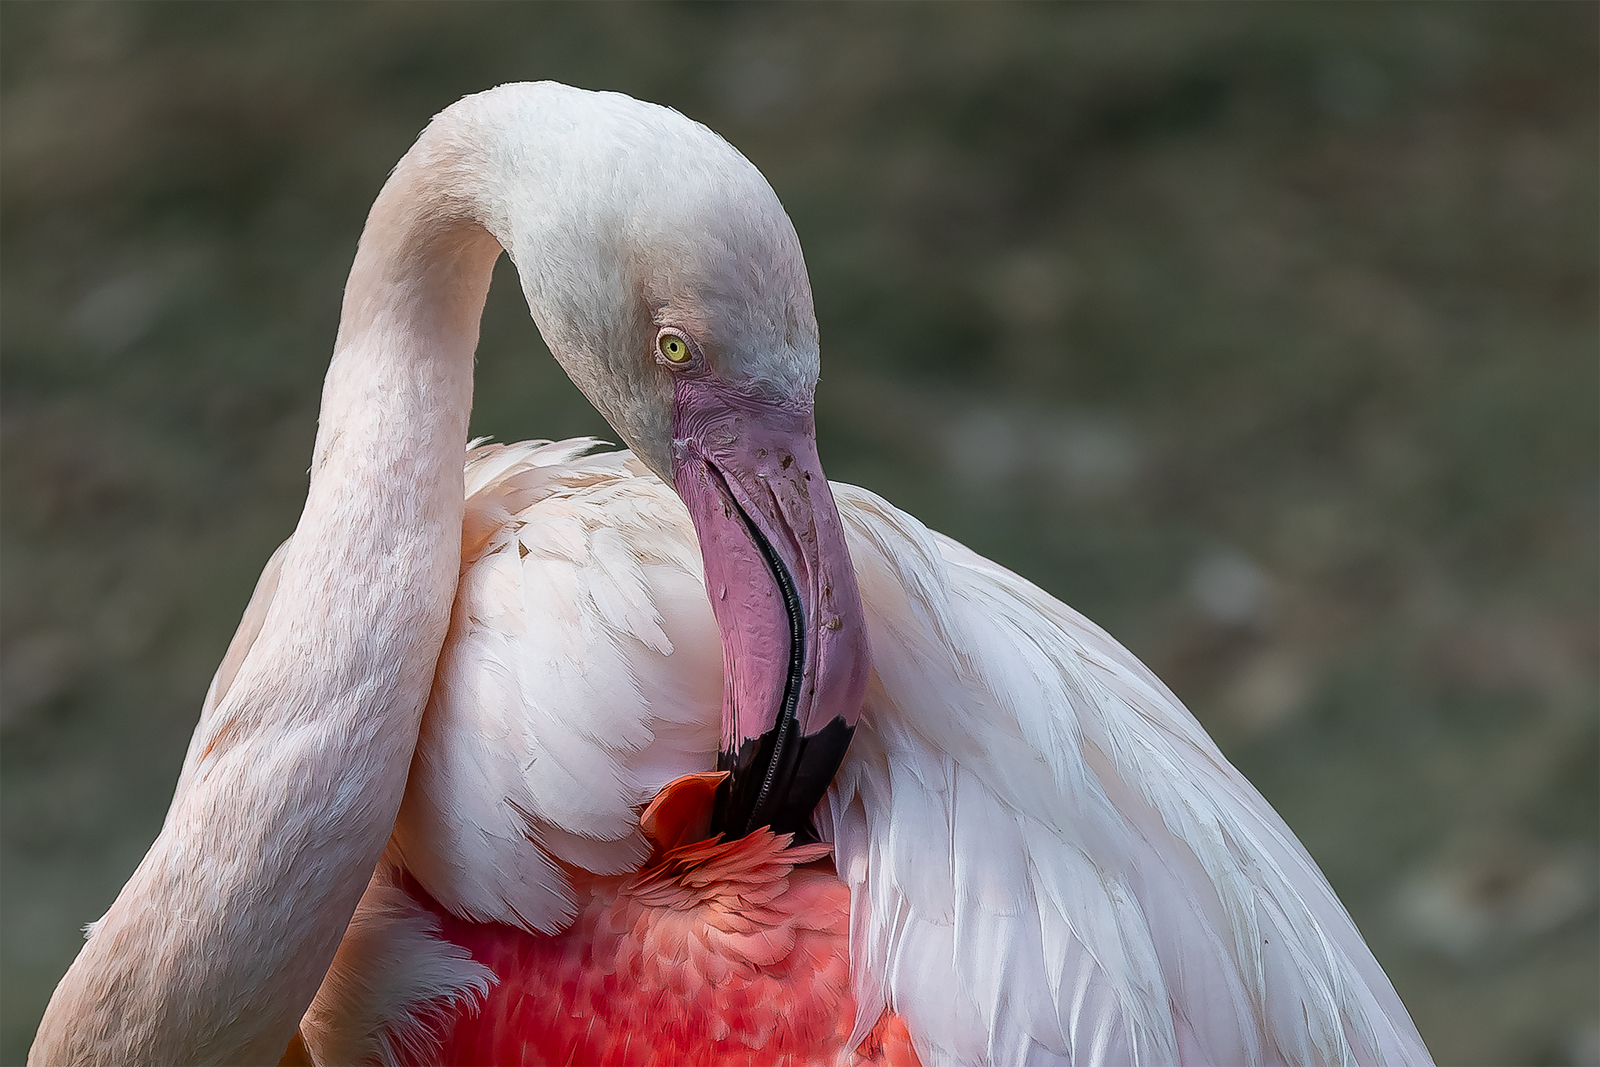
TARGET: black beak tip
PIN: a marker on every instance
(778, 779)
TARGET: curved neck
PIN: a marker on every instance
(215, 946)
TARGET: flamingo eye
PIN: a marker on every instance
(673, 348)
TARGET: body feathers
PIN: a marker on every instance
(1046, 858)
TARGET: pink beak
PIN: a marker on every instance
(794, 638)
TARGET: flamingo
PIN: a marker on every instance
(451, 797)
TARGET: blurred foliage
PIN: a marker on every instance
(1265, 335)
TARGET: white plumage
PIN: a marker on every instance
(1050, 861)
(582, 672)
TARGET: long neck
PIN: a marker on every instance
(217, 943)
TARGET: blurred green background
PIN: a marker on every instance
(1263, 334)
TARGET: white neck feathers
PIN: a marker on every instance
(218, 942)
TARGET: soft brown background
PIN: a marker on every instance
(1264, 334)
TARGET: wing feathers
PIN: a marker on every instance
(582, 672)
(1048, 859)
(1121, 894)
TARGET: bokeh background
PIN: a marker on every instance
(1264, 334)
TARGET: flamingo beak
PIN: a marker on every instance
(778, 573)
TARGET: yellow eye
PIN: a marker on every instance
(675, 348)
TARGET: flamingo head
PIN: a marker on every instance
(669, 282)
